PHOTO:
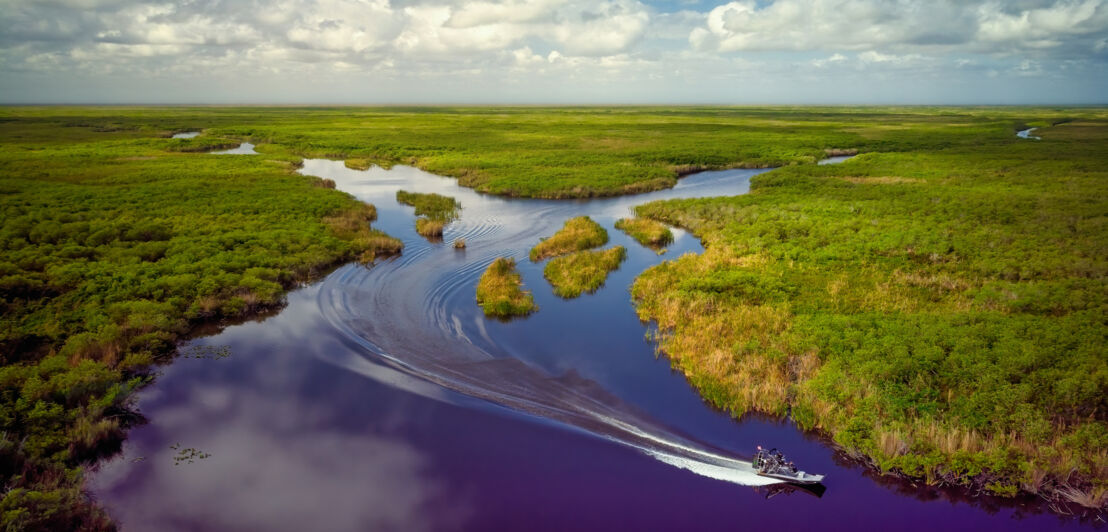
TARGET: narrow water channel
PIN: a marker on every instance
(381, 398)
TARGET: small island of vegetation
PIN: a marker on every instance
(647, 232)
(499, 291)
(582, 271)
(434, 211)
(577, 234)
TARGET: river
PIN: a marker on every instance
(381, 398)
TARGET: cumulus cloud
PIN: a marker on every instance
(744, 25)
(574, 39)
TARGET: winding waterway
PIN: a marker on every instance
(381, 398)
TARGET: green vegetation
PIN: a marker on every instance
(434, 211)
(115, 243)
(582, 271)
(936, 303)
(555, 152)
(433, 206)
(647, 232)
(499, 293)
(577, 234)
(939, 312)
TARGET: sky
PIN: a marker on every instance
(554, 52)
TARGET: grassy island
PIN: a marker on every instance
(434, 211)
(499, 292)
(582, 271)
(577, 234)
(646, 231)
(938, 312)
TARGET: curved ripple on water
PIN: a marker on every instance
(418, 313)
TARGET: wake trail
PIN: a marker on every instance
(415, 324)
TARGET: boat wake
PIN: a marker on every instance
(414, 320)
(444, 356)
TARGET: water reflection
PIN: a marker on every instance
(245, 148)
(282, 444)
(1026, 134)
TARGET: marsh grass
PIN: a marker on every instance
(459, 243)
(429, 228)
(433, 206)
(647, 232)
(117, 241)
(499, 291)
(354, 225)
(935, 312)
(577, 234)
(582, 271)
(434, 212)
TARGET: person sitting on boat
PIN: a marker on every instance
(792, 468)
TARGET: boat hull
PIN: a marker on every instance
(802, 478)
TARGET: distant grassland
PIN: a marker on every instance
(936, 304)
(941, 313)
(557, 152)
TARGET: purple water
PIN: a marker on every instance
(381, 398)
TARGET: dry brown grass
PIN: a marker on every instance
(1089, 498)
(429, 228)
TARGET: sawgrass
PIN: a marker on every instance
(940, 313)
(115, 244)
(434, 211)
(499, 291)
(582, 271)
(117, 240)
(647, 232)
(576, 234)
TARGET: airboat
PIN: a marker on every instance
(771, 463)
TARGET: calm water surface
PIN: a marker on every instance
(381, 398)
(245, 148)
(1026, 134)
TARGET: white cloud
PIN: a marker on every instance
(563, 39)
(1042, 24)
(835, 59)
(743, 25)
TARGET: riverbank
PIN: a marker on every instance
(116, 247)
(939, 314)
